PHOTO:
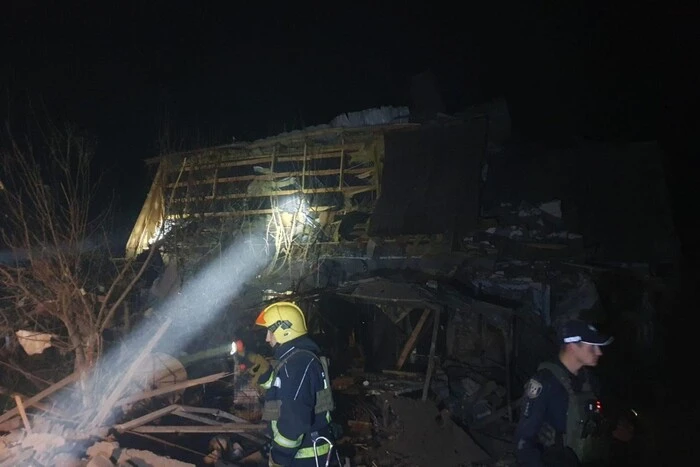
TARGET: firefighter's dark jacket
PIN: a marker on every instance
(547, 405)
(295, 384)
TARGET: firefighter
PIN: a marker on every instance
(561, 421)
(298, 397)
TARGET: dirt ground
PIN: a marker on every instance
(421, 437)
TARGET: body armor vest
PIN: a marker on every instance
(324, 397)
(584, 425)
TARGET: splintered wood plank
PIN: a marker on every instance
(353, 189)
(273, 176)
(23, 413)
(431, 358)
(208, 421)
(122, 427)
(411, 342)
(223, 428)
(42, 395)
(171, 388)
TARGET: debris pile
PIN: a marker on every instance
(527, 231)
(61, 450)
(415, 433)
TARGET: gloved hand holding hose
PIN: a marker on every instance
(251, 363)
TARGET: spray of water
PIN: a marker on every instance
(200, 301)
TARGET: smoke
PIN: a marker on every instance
(200, 301)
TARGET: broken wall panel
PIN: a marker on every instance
(430, 181)
(328, 170)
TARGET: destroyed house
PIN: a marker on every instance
(321, 191)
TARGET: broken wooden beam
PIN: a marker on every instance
(431, 355)
(42, 395)
(137, 422)
(22, 413)
(214, 412)
(223, 428)
(38, 405)
(209, 421)
(170, 388)
(411, 342)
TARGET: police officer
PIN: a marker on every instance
(298, 398)
(561, 420)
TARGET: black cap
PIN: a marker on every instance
(578, 331)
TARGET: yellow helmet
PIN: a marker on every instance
(284, 320)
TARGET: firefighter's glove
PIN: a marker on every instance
(257, 364)
(251, 363)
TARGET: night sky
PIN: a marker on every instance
(119, 70)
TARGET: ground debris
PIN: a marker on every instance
(417, 435)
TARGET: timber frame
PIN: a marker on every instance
(296, 187)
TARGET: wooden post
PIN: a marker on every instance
(411, 342)
(22, 413)
(431, 357)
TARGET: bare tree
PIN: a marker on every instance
(56, 274)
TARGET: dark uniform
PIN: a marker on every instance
(560, 421)
(298, 403)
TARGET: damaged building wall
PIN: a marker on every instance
(319, 192)
(615, 195)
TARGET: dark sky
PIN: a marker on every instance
(120, 69)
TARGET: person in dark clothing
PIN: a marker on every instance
(561, 421)
(298, 397)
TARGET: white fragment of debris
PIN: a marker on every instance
(491, 230)
(33, 342)
(515, 233)
(42, 441)
(102, 447)
(553, 208)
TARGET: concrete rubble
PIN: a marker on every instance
(47, 449)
